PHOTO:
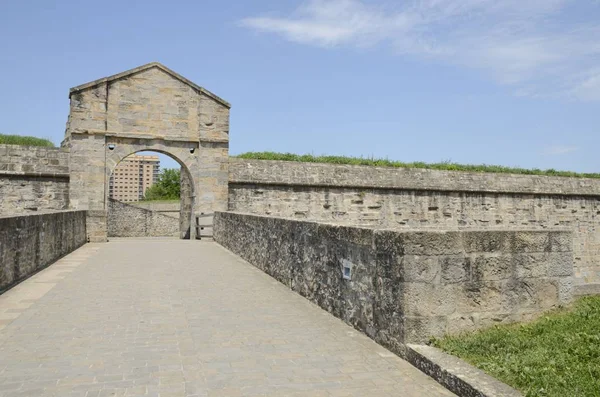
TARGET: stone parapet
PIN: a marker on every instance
(171, 209)
(29, 243)
(414, 199)
(125, 220)
(265, 172)
(33, 178)
(408, 286)
(32, 160)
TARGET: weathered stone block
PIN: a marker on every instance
(531, 242)
(491, 267)
(487, 241)
(420, 329)
(560, 264)
(388, 241)
(420, 299)
(560, 242)
(420, 269)
(454, 269)
(432, 243)
(530, 265)
(488, 296)
(566, 290)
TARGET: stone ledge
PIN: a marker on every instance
(38, 212)
(61, 175)
(586, 290)
(456, 375)
(127, 135)
(143, 136)
(360, 177)
(30, 148)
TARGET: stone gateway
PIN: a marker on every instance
(147, 108)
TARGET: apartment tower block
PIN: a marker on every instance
(132, 177)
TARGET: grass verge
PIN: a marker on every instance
(24, 141)
(445, 165)
(557, 355)
(167, 201)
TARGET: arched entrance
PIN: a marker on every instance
(130, 214)
(147, 108)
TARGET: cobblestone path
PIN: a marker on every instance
(182, 318)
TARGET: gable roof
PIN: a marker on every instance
(143, 68)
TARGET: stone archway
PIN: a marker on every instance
(147, 108)
(120, 149)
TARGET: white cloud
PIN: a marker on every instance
(332, 23)
(559, 149)
(526, 44)
(589, 87)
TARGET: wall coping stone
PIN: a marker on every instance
(586, 290)
(61, 175)
(34, 148)
(291, 173)
(455, 374)
(125, 135)
(40, 212)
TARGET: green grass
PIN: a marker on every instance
(24, 141)
(445, 165)
(557, 355)
(156, 201)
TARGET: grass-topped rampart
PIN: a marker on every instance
(445, 165)
(24, 141)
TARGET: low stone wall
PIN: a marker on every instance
(405, 287)
(29, 243)
(33, 178)
(410, 199)
(171, 209)
(34, 159)
(125, 220)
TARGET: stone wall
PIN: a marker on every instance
(125, 220)
(29, 243)
(33, 178)
(423, 199)
(165, 208)
(407, 286)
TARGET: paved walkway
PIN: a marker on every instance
(182, 318)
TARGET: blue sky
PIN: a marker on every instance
(508, 82)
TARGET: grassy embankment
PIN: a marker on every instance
(445, 165)
(24, 141)
(557, 355)
(157, 201)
